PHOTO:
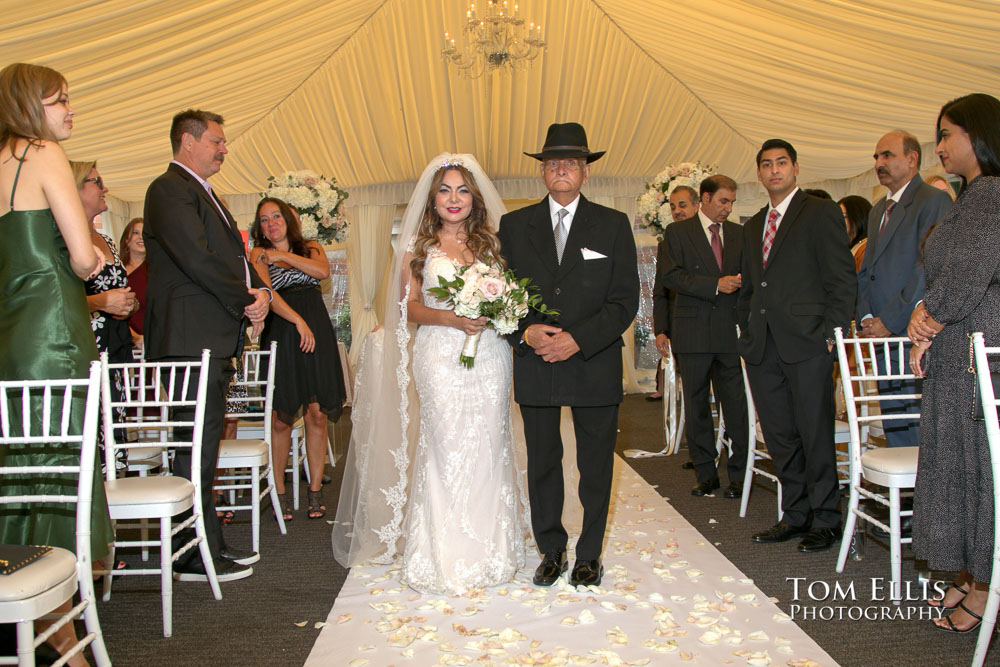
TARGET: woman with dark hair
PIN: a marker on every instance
(133, 252)
(856, 210)
(44, 324)
(431, 471)
(309, 375)
(953, 500)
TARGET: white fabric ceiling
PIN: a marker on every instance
(357, 88)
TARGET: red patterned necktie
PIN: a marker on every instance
(769, 232)
(716, 243)
(889, 205)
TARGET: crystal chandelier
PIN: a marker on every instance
(496, 40)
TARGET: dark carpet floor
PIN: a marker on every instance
(269, 618)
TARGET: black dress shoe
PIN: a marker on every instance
(819, 539)
(705, 488)
(225, 570)
(654, 398)
(780, 532)
(587, 573)
(734, 490)
(551, 568)
(239, 556)
(688, 465)
(905, 528)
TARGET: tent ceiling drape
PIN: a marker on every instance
(357, 88)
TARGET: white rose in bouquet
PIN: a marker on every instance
(491, 288)
(441, 267)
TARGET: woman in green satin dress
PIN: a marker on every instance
(44, 321)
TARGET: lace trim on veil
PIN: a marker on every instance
(395, 495)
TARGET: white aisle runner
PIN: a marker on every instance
(668, 596)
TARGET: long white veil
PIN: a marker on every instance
(385, 414)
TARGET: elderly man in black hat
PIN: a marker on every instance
(582, 257)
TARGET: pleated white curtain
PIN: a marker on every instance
(369, 249)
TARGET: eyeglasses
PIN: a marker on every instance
(97, 180)
(569, 164)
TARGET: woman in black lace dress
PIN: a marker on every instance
(309, 375)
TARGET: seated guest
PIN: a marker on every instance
(309, 375)
(856, 210)
(133, 252)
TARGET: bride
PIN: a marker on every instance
(431, 472)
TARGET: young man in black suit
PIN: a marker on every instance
(799, 284)
(701, 266)
(582, 257)
(201, 293)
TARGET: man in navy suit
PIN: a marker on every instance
(799, 284)
(701, 266)
(891, 278)
(201, 294)
(582, 258)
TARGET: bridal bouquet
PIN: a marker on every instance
(485, 290)
(316, 199)
(654, 204)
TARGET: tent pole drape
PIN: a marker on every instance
(369, 248)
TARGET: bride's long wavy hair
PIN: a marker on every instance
(481, 240)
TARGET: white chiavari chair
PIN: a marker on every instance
(894, 468)
(982, 356)
(248, 459)
(34, 590)
(162, 388)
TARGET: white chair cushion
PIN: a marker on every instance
(148, 490)
(890, 466)
(39, 576)
(242, 448)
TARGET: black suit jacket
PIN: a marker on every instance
(597, 300)
(891, 278)
(808, 287)
(702, 320)
(661, 295)
(197, 282)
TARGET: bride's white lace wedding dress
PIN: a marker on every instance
(464, 528)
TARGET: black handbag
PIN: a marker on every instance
(977, 400)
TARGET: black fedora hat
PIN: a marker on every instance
(566, 140)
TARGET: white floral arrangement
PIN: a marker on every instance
(654, 204)
(316, 199)
(484, 290)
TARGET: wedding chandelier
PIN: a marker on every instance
(496, 40)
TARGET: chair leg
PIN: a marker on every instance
(144, 535)
(748, 481)
(895, 545)
(296, 469)
(852, 519)
(275, 501)
(206, 556)
(26, 644)
(166, 576)
(91, 620)
(255, 508)
(109, 566)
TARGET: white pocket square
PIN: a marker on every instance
(592, 254)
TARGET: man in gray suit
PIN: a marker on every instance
(891, 279)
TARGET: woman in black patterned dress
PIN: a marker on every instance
(109, 298)
(309, 375)
(953, 499)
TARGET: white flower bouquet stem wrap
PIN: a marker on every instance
(485, 289)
